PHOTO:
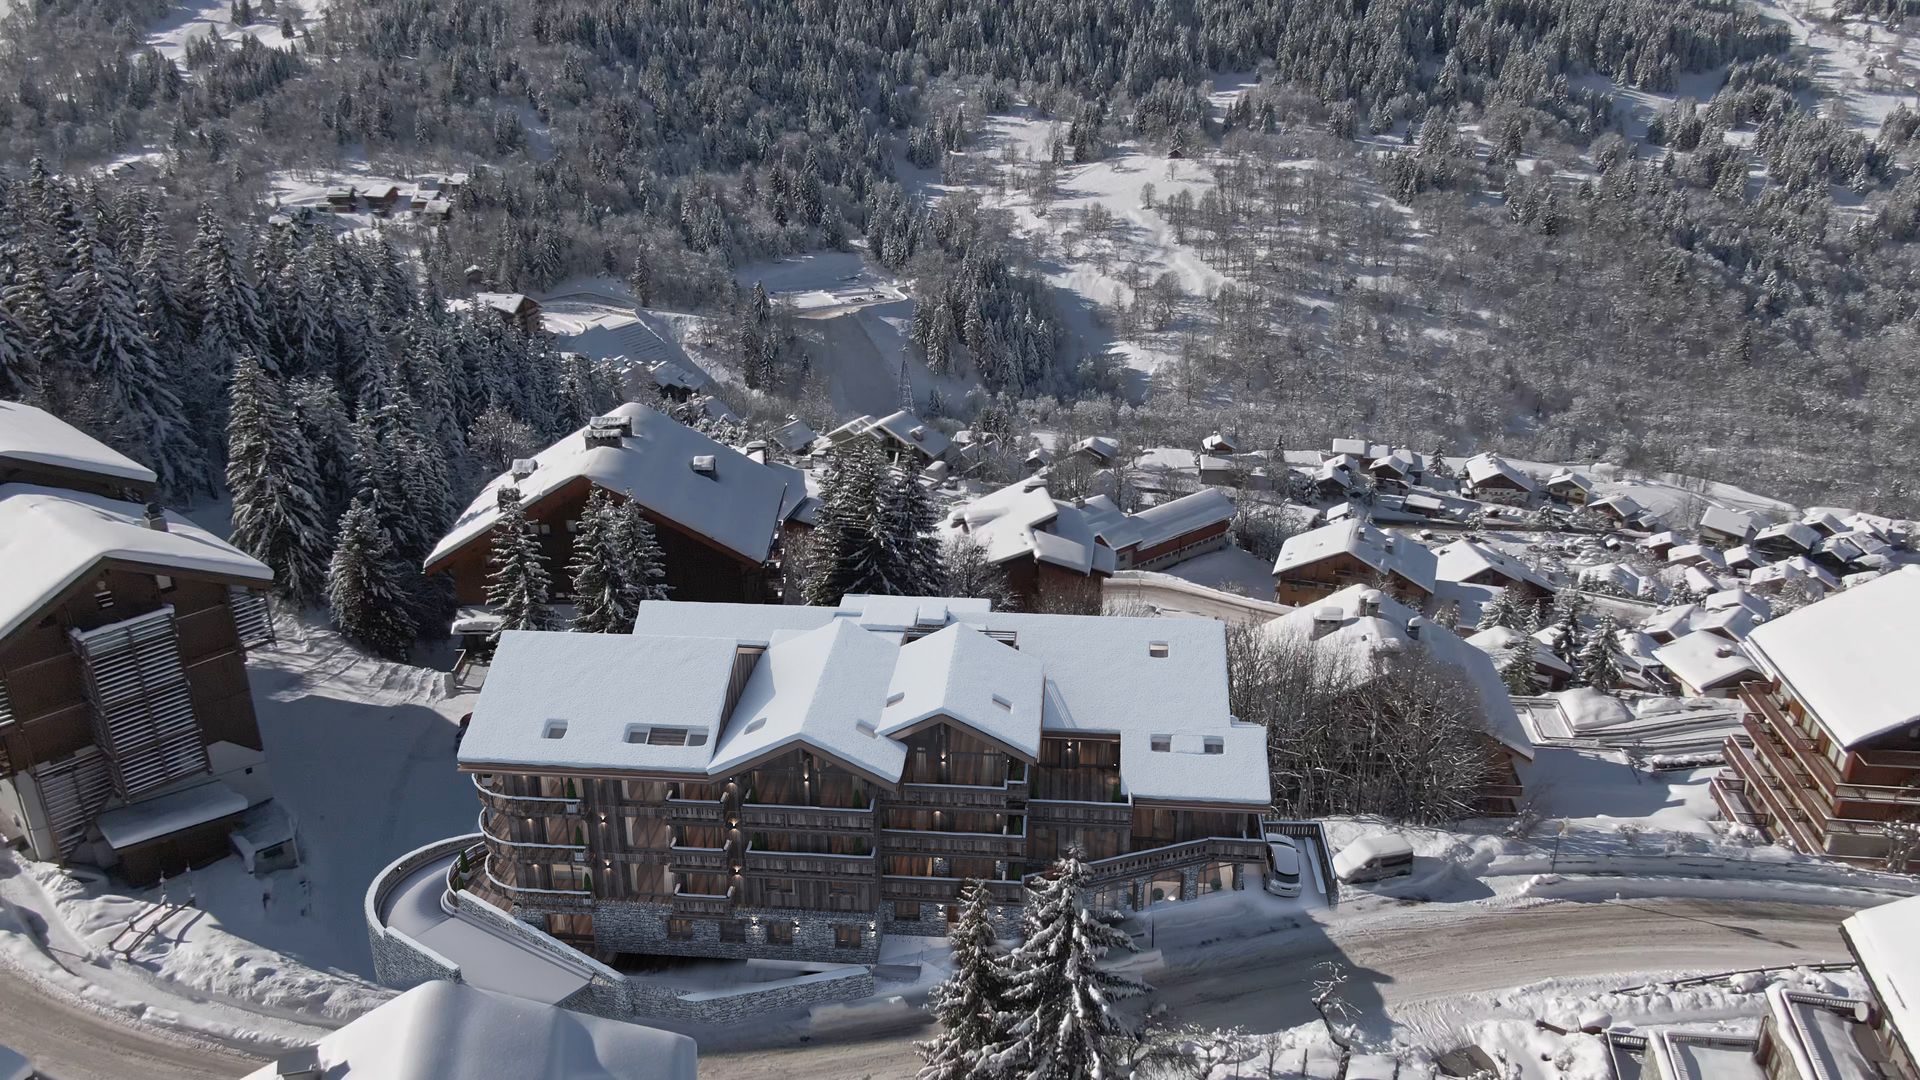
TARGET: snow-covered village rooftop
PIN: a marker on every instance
(33, 436)
(1383, 551)
(1851, 656)
(667, 467)
(847, 681)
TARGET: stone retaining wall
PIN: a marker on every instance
(398, 960)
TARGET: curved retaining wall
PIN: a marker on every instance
(402, 963)
(398, 960)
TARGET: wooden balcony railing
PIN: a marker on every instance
(694, 811)
(702, 903)
(978, 845)
(575, 852)
(520, 894)
(943, 890)
(811, 818)
(703, 860)
(522, 805)
(963, 796)
(809, 864)
(1080, 813)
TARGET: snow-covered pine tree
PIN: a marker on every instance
(903, 533)
(114, 355)
(1516, 670)
(518, 587)
(969, 1004)
(1062, 1018)
(367, 585)
(225, 306)
(604, 600)
(270, 471)
(1499, 612)
(16, 360)
(643, 565)
(1599, 660)
(844, 555)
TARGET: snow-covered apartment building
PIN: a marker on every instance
(786, 782)
(718, 514)
(1830, 750)
(127, 732)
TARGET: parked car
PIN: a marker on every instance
(1283, 865)
(1372, 857)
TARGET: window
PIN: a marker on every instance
(679, 929)
(733, 932)
(1161, 744)
(847, 936)
(164, 582)
(1157, 649)
(1212, 744)
(906, 910)
(556, 729)
(780, 932)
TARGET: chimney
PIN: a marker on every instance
(705, 464)
(155, 518)
(1325, 621)
(523, 468)
(608, 430)
(1370, 602)
(1414, 626)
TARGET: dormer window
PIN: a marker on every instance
(1161, 744)
(1213, 744)
(556, 729)
(1157, 649)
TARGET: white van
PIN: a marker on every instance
(1372, 857)
(1283, 865)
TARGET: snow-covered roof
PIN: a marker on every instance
(1356, 448)
(1800, 535)
(1705, 661)
(1621, 503)
(1131, 677)
(50, 539)
(1219, 444)
(1023, 519)
(1822, 1042)
(1697, 553)
(1849, 657)
(1498, 641)
(1369, 628)
(1625, 578)
(1099, 446)
(794, 436)
(36, 437)
(1463, 559)
(507, 303)
(441, 1029)
(1733, 622)
(1587, 709)
(825, 689)
(1400, 462)
(1482, 469)
(1719, 519)
(1883, 939)
(164, 815)
(738, 506)
(1383, 551)
(1570, 478)
(1676, 620)
(1761, 608)
(959, 672)
(1705, 1055)
(1744, 556)
(583, 701)
(909, 430)
(1186, 514)
(1824, 521)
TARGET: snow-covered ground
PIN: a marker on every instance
(200, 18)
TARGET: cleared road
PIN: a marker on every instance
(1262, 990)
(1399, 966)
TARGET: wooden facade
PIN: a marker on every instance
(697, 568)
(1044, 587)
(1788, 775)
(799, 832)
(1322, 578)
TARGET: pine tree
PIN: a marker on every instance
(1599, 663)
(969, 1004)
(1517, 669)
(642, 564)
(16, 360)
(1061, 1003)
(1499, 612)
(903, 532)
(225, 306)
(276, 513)
(518, 587)
(844, 558)
(367, 584)
(604, 599)
(968, 573)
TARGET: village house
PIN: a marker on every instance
(794, 436)
(1365, 630)
(1219, 445)
(1719, 525)
(1830, 750)
(1786, 539)
(902, 433)
(1706, 665)
(1550, 673)
(1882, 942)
(810, 779)
(1320, 563)
(1401, 468)
(1570, 487)
(127, 732)
(517, 310)
(1623, 509)
(1490, 477)
(718, 514)
(1098, 450)
(1471, 563)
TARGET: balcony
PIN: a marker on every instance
(687, 903)
(961, 796)
(1064, 812)
(530, 848)
(809, 864)
(945, 890)
(702, 860)
(976, 845)
(531, 897)
(838, 819)
(695, 812)
(1190, 853)
(522, 805)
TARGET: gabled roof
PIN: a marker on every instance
(909, 430)
(507, 303)
(1399, 461)
(1364, 642)
(824, 689)
(1178, 517)
(1023, 519)
(1482, 468)
(1697, 553)
(960, 673)
(1882, 938)
(1099, 446)
(1705, 661)
(1383, 551)
(35, 437)
(1719, 519)
(1626, 506)
(738, 507)
(1217, 443)
(1802, 536)
(1850, 657)
(52, 538)
(1463, 559)
(1570, 478)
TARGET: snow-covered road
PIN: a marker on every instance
(1410, 970)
